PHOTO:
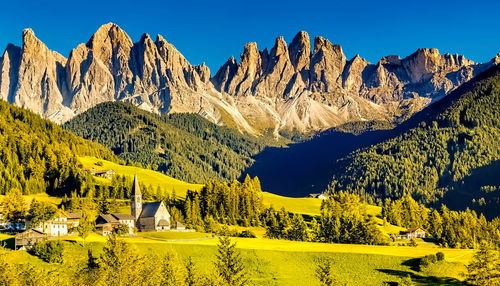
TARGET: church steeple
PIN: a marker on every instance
(136, 199)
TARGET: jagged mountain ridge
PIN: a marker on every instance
(291, 87)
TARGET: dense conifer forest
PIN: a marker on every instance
(184, 146)
(431, 161)
(37, 156)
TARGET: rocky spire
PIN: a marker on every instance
(300, 51)
(225, 74)
(353, 73)
(327, 65)
(248, 70)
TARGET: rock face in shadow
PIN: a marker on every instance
(290, 87)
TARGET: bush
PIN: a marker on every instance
(49, 251)
(247, 233)
(440, 256)
(426, 261)
(412, 243)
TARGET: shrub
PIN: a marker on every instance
(49, 251)
(426, 261)
(440, 256)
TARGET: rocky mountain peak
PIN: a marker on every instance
(280, 47)
(300, 51)
(111, 34)
(286, 88)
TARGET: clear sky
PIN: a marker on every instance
(211, 31)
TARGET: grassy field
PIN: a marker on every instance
(281, 262)
(147, 177)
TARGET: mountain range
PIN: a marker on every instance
(295, 86)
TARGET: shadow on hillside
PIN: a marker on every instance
(424, 280)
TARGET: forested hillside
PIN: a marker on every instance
(36, 155)
(184, 146)
(432, 160)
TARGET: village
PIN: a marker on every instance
(143, 217)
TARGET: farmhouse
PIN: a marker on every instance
(149, 216)
(410, 233)
(321, 196)
(58, 226)
(28, 238)
(107, 174)
(125, 219)
(73, 220)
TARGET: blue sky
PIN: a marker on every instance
(211, 31)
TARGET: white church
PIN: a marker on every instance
(149, 216)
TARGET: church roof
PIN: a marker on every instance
(136, 189)
(150, 209)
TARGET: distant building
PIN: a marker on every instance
(107, 174)
(149, 216)
(126, 219)
(58, 226)
(27, 239)
(179, 226)
(73, 220)
(108, 223)
(410, 233)
(321, 196)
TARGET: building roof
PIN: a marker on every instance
(74, 215)
(163, 222)
(31, 233)
(108, 218)
(414, 229)
(150, 209)
(99, 172)
(123, 216)
(136, 189)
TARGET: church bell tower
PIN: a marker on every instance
(136, 199)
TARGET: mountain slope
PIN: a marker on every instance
(184, 146)
(432, 160)
(36, 155)
(289, 88)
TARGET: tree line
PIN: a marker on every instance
(38, 156)
(457, 229)
(431, 161)
(184, 146)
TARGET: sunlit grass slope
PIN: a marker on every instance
(147, 177)
(280, 262)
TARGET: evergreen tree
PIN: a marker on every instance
(192, 278)
(484, 268)
(229, 266)
(13, 206)
(324, 272)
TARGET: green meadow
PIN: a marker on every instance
(281, 262)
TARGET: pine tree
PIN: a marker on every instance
(484, 268)
(191, 275)
(324, 272)
(229, 266)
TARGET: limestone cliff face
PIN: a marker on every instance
(290, 87)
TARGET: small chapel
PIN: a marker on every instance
(152, 216)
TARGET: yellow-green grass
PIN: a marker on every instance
(174, 235)
(42, 197)
(452, 255)
(308, 206)
(147, 177)
(279, 262)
